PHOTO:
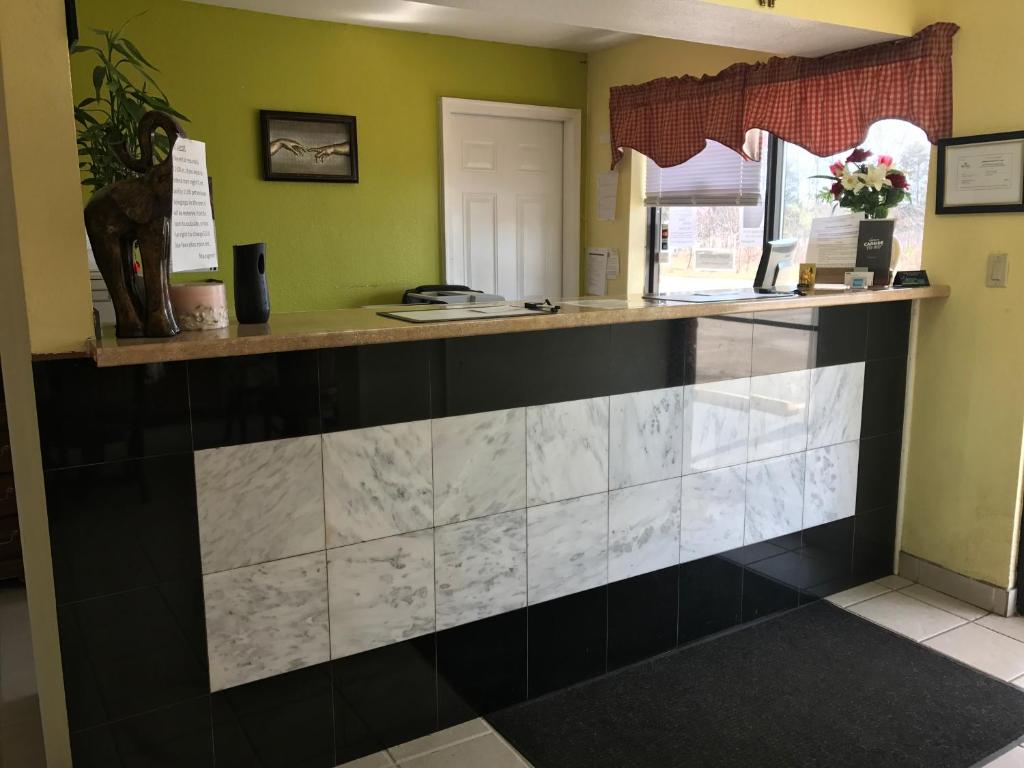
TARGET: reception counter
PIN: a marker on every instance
(304, 542)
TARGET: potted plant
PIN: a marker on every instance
(862, 187)
(127, 163)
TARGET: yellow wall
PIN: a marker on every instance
(328, 245)
(964, 474)
(44, 294)
(635, 62)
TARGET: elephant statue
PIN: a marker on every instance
(137, 210)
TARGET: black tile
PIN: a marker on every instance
(486, 373)
(568, 640)
(642, 616)
(888, 329)
(721, 348)
(885, 390)
(784, 340)
(89, 415)
(375, 384)
(874, 543)
(820, 567)
(644, 356)
(254, 398)
(128, 653)
(763, 595)
(842, 335)
(384, 697)
(481, 667)
(173, 737)
(122, 525)
(878, 471)
(763, 550)
(284, 721)
(709, 597)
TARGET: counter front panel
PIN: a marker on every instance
(322, 553)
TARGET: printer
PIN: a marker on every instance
(448, 294)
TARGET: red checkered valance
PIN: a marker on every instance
(825, 105)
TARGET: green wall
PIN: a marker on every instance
(328, 245)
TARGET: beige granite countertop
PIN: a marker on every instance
(352, 327)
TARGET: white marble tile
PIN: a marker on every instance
(566, 450)
(646, 441)
(263, 620)
(857, 594)
(830, 483)
(713, 510)
(835, 404)
(778, 414)
(984, 649)
(479, 464)
(905, 615)
(377, 482)
(715, 425)
(259, 502)
(775, 498)
(381, 592)
(643, 529)
(480, 568)
(567, 547)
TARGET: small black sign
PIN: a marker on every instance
(874, 248)
(911, 278)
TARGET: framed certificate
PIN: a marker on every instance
(981, 174)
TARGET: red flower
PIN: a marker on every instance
(858, 156)
(899, 181)
(837, 190)
(836, 169)
(885, 160)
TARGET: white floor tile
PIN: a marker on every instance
(1012, 759)
(485, 751)
(1012, 626)
(905, 615)
(982, 649)
(945, 602)
(894, 582)
(857, 594)
(1019, 682)
(376, 760)
(439, 740)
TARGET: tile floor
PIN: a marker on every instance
(992, 644)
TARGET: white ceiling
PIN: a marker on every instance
(580, 25)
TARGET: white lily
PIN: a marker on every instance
(850, 181)
(875, 177)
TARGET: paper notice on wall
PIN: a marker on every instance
(607, 192)
(682, 228)
(193, 237)
(612, 269)
(597, 271)
(833, 242)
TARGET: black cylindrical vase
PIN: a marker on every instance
(252, 302)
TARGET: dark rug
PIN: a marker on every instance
(813, 687)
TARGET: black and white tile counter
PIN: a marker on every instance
(298, 559)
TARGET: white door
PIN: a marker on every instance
(503, 204)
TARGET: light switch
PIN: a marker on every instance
(998, 267)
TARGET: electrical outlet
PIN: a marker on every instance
(997, 270)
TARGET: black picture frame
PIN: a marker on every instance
(319, 165)
(71, 22)
(943, 207)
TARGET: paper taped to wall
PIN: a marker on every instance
(193, 237)
(607, 192)
(597, 271)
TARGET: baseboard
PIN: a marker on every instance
(986, 596)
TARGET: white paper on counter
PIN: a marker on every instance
(612, 270)
(193, 237)
(597, 271)
(607, 192)
(833, 242)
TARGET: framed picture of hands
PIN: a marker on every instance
(304, 146)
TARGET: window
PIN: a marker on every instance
(703, 243)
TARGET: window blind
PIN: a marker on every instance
(715, 176)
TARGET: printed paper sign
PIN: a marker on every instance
(193, 237)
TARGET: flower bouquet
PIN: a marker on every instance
(868, 188)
